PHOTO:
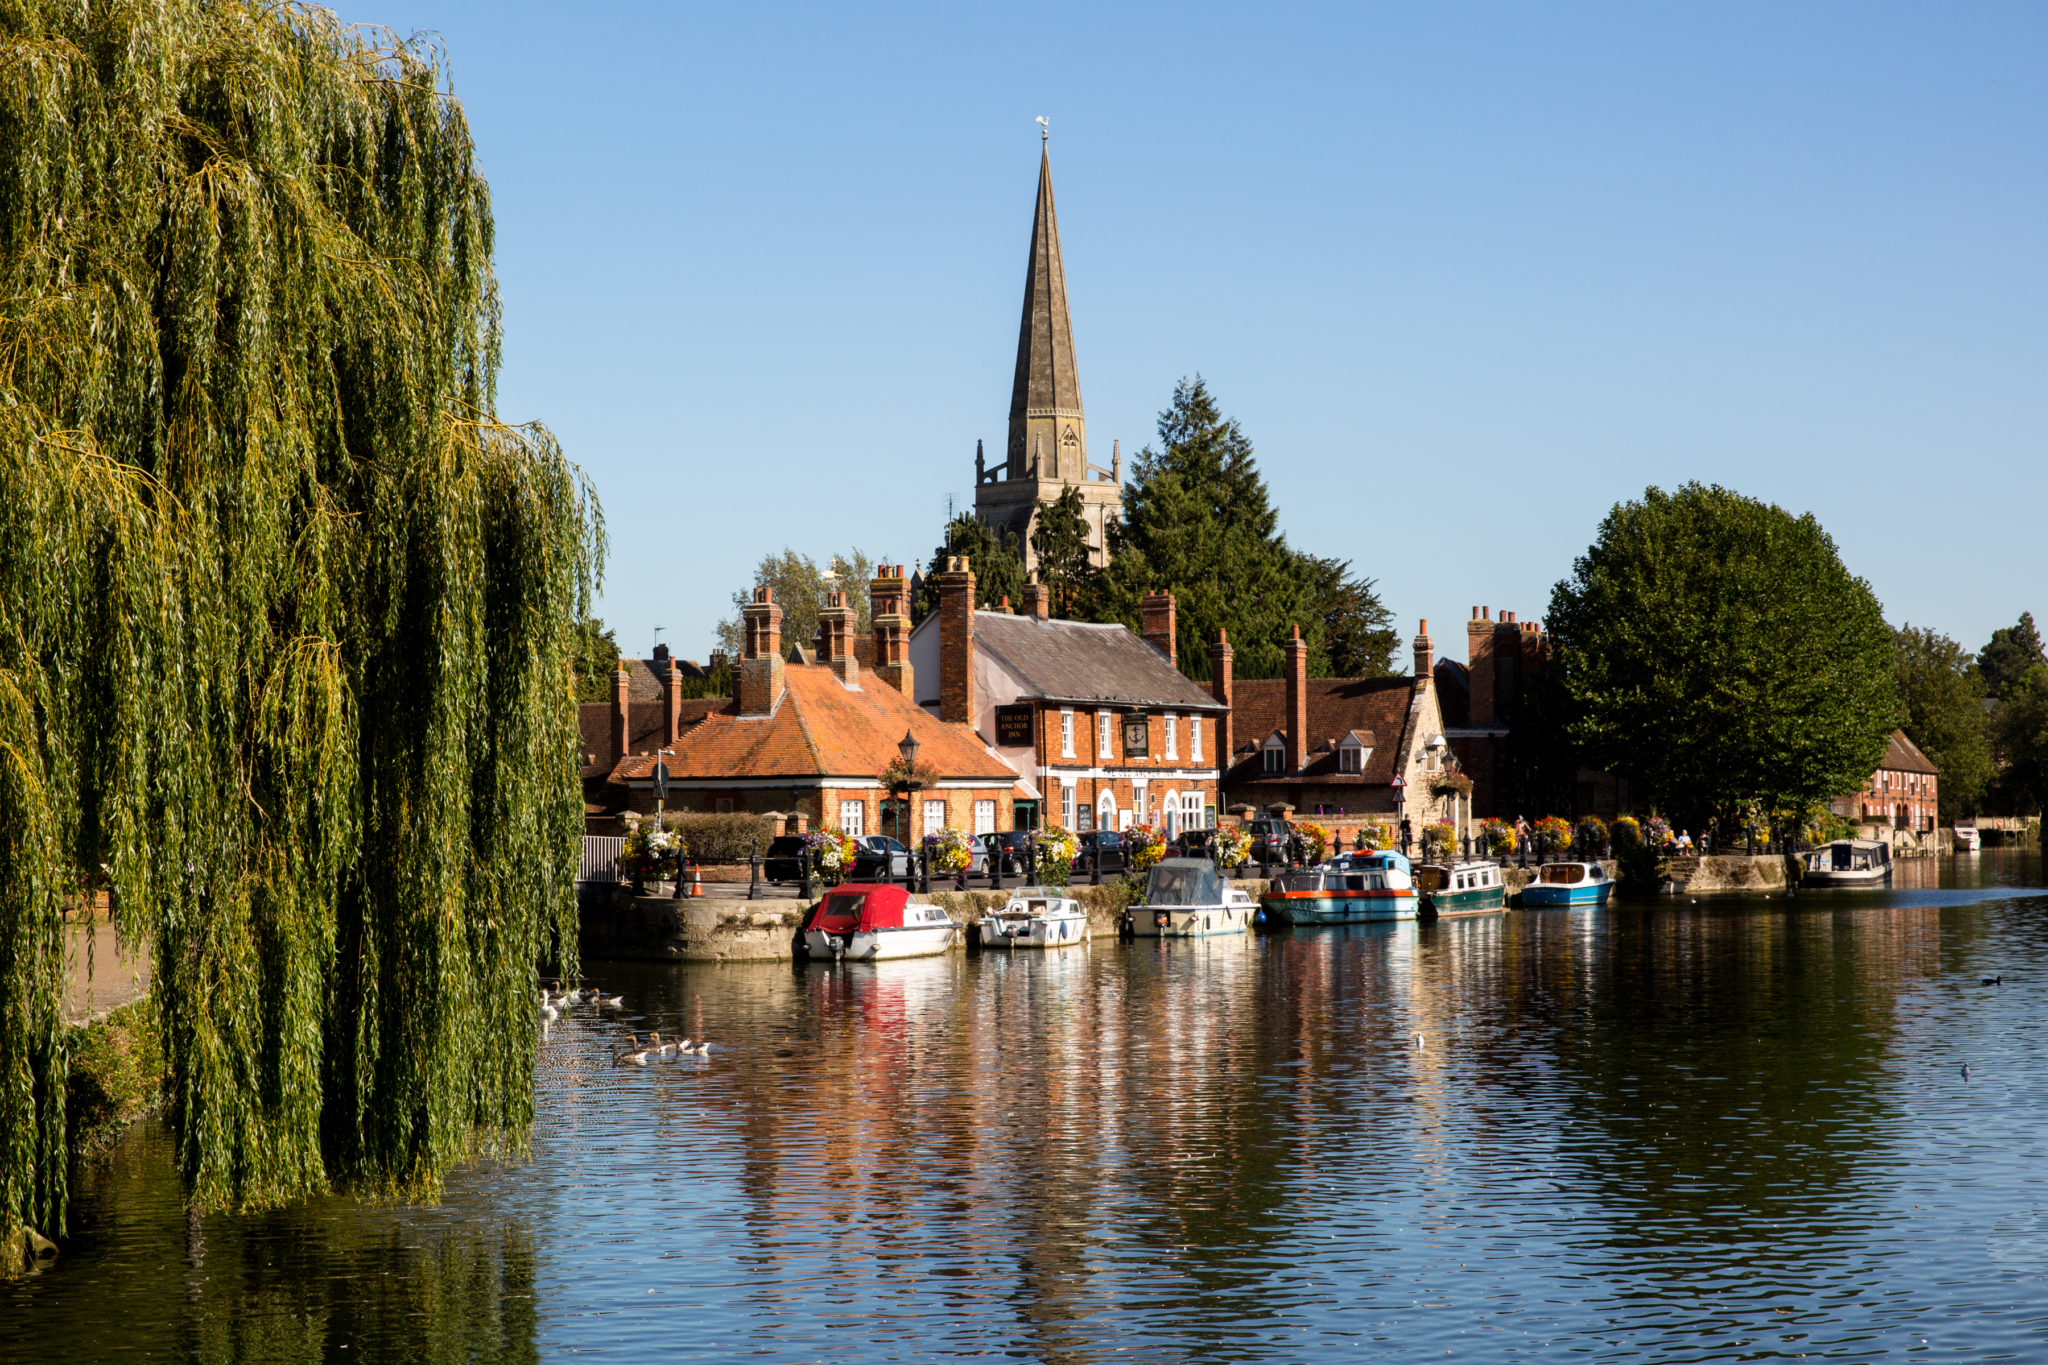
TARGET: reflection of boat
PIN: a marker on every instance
(1461, 888)
(1849, 862)
(1357, 888)
(871, 921)
(1568, 885)
(1967, 839)
(1036, 917)
(1188, 898)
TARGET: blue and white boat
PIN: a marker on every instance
(1568, 886)
(1356, 888)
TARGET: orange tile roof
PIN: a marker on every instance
(823, 729)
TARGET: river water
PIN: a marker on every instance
(1727, 1130)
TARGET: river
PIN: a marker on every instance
(1730, 1129)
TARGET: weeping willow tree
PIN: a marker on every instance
(286, 614)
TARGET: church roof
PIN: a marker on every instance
(1046, 377)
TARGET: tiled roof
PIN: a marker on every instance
(1076, 661)
(643, 730)
(644, 684)
(1904, 756)
(822, 729)
(1376, 707)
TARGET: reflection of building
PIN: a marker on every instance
(1903, 794)
(1048, 438)
(1106, 730)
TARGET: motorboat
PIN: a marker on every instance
(1356, 888)
(1568, 886)
(1461, 889)
(1968, 840)
(1849, 862)
(1188, 898)
(871, 921)
(1036, 917)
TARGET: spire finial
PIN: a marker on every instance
(1044, 130)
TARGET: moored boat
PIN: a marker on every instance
(1036, 917)
(871, 921)
(1968, 840)
(1188, 898)
(1461, 889)
(1569, 886)
(1356, 888)
(1848, 862)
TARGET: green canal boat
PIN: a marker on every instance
(1461, 889)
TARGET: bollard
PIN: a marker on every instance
(994, 846)
(682, 877)
(807, 889)
(1095, 866)
(754, 881)
(924, 870)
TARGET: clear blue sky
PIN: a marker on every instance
(1467, 275)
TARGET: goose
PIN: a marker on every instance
(549, 1012)
(635, 1055)
(611, 1002)
(1994, 980)
(702, 1049)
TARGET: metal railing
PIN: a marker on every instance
(600, 858)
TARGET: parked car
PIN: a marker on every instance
(1270, 832)
(783, 861)
(877, 856)
(1193, 843)
(1105, 843)
(1015, 847)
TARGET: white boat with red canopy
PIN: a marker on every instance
(869, 921)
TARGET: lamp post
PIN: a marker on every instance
(1398, 790)
(909, 785)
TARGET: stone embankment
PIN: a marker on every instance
(1722, 872)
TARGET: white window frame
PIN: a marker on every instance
(1350, 758)
(1173, 737)
(1138, 799)
(1067, 732)
(1272, 758)
(1067, 802)
(984, 817)
(1105, 736)
(934, 817)
(853, 818)
(1194, 739)
(1191, 810)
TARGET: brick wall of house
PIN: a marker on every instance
(1092, 770)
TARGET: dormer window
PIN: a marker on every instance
(1276, 758)
(1350, 759)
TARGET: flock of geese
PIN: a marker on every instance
(635, 1051)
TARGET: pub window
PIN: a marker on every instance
(1194, 739)
(1173, 737)
(1067, 737)
(1067, 804)
(1105, 741)
(984, 817)
(853, 818)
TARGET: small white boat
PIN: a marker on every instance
(1968, 840)
(1036, 917)
(872, 921)
(1189, 898)
(1849, 862)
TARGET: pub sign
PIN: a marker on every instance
(1137, 735)
(1013, 727)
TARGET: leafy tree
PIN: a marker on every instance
(1715, 646)
(1060, 540)
(286, 612)
(1198, 521)
(2020, 735)
(995, 557)
(596, 659)
(2013, 653)
(800, 588)
(1941, 709)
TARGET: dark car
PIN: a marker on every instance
(783, 862)
(1270, 833)
(1193, 843)
(1106, 844)
(1015, 846)
(877, 856)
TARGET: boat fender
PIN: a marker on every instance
(1259, 915)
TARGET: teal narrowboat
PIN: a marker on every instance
(1357, 888)
(1461, 889)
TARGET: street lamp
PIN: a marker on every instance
(908, 783)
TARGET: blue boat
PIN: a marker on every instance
(1568, 886)
(1356, 888)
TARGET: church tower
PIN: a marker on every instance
(1048, 439)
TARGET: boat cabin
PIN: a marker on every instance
(1184, 881)
(1037, 900)
(1850, 855)
(1571, 874)
(1433, 878)
(870, 906)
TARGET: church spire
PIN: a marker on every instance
(1045, 399)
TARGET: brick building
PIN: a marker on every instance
(1331, 747)
(1903, 794)
(1105, 729)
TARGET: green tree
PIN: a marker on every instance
(1060, 540)
(287, 616)
(994, 557)
(2013, 653)
(801, 586)
(2020, 734)
(1198, 521)
(1714, 646)
(1941, 709)
(596, 659)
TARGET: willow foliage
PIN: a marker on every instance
(285, 614)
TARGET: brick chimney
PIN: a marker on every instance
(1220, 683)
(622, 713)
(1159, 631)
(889, 614)
(1479, 665)
(835, 639)
(1037, 599)
(1425, 655)
(671, 696)
(956, 641)
(761, 667)
(1297, 702)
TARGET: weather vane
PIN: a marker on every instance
(1044, 129)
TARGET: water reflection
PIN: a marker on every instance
(1676, 1132)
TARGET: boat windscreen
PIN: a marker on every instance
(1183, 882)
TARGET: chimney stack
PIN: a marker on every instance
(622, 712)
(956, 641)
(761, 669)
(889, 615)
(1425, 656)
(835, 639)
(1037, 599)
(1480, 666)
(1297, 702)
(1159, 625)
(671, 697)
(1220, 684)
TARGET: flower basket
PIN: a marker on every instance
(1497, 838)
(1233, 847)
(1590, 838)
(1144, 845)
(1373, 838)
(1056, 849)
(832, 853)
(1628, 834)
(949, 851)
(1439, 841)
(1317, 841)
(1550, 836)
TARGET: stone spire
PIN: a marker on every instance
(1045, 400)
